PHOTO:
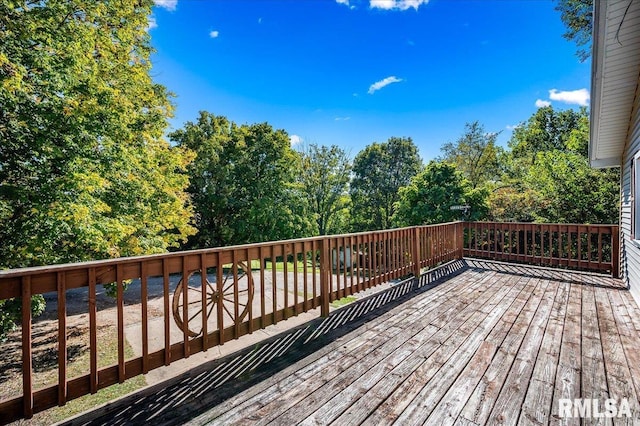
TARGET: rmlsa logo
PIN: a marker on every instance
(593, 408)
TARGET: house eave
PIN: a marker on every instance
(603, 163)
(614, 78)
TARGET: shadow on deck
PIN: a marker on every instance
(192, 394)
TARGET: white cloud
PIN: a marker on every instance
(541, 104)
(295, 140)
(342, 118)
(577, 97)
(167, 4)
(346, 3)
(512, 127)
(214, 34)
(396, 4)
(151, 23)
(382, 83)
(259, 20)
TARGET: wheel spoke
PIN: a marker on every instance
(226, 278)
(226, 289)
(195, 315)
(229, 291)
(228, 312)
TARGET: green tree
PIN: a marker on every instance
(571, 191)
(475, 154)
(546, 130)
(515, 203)
(431, 194)
(379, 171)
(325, 178)
(550, 174)
(84, 170)
(577, 16)
(243, 183)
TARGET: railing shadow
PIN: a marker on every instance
(566, 275)
(184, 397)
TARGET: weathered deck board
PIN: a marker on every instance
(387, 336)
(361, 404)
(536, 408)
(495, 344)
(336, 402)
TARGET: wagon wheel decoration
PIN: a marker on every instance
(226, 297)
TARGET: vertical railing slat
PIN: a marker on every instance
(236, 306)
(325, 269)
(615, 251)
(204, 287)
(27, 359)
(263, 306)
(167, 311)
(295, 279)
(305, 279)
(345, 262)
(144, 296)
(285, 269)
(93, 333)
(314, 248)
(274, 286)
(249, 290)
(185, 307)
(62, 338)
(219, 297)
(120, 307)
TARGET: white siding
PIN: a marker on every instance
(630, 251)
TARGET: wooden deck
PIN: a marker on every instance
(491, 344)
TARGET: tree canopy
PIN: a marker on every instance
(475, 154)
(577, 17)
(548, 177)
(431, 193)
(379, 171)
(243, 183)
(84, 170)
(324, 176)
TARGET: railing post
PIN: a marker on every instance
(325, 268)
(460, 240)
(415, 253)
(615, 251)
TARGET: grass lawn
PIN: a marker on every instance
(107, 355)
(344, 301)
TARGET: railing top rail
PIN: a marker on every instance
(603, 225)
(12, 273)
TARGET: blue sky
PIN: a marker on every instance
(353, 72)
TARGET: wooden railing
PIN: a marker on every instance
(165, 308)
(583, 247)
